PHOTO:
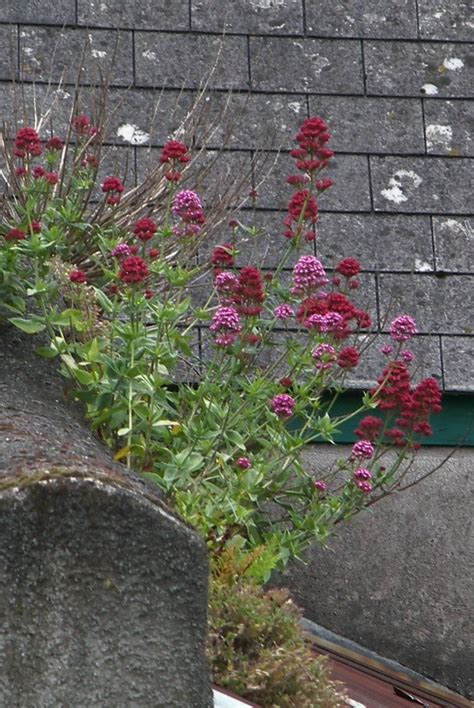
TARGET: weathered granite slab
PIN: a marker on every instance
(419, 68)
(430, 185)
(443, 305)
(454, 244)
(248, 16)
(449, 127)
(186, 60)
(314, 65)
(358, 18)
(48, 12)
(382, 242)
(445, 20)
(458, 356)
(373, 125)
(134, 14)
(51, 52)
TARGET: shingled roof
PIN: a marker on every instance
(393, 80)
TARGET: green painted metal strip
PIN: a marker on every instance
(453, 426)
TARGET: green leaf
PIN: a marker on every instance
(28, 326)
(47, 352)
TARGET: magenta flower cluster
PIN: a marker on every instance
(283, 311)
(363, 449)
(283, 405)
(324, 355)
(330, 322)
(403, 328)
(308, 275)
(226, 323)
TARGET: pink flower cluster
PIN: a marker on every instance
(403, 328)
(187, 206)
(283, 405)
(226, 324)
(363, 449)
(308, 275)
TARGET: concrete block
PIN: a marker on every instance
(441, 20)
(382, 242)
(454, 243)
(48, 12)
(8, 52)
(458, 355)
(135, 14)
(52, 53)
(380, 125)
(314, 65)
(439, 305)
(350, 192)
(248, 16)
(434, 185)
(185, 60)
(418, 68)
(253, 121)
(448, 126)
(355, 18)
(398, 578)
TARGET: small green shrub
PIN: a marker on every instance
(257, 648)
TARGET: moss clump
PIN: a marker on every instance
(258, 650)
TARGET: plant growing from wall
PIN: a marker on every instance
(118, 281)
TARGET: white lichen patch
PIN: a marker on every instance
(401, 180)
(422, 266)
(148, 54)
(98, 53)
(439, 136)
(132, 134)
(294, 106)
(453, 63)
(319, 63)
(429, 89)
(266, 4)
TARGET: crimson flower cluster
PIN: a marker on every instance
(249, 295)
(27, 143)
(223, 256)
(174, 154)
(113, 187)
(133, 269)
(145, 229)
(352, 316)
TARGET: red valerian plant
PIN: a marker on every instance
(120, 295)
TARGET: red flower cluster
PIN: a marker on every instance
(175, 154)
(145, 229)
(223, 255)
(339, 303)
(133, 270)
(78, 276)
(113, 186)
(82, 124)
(348, 267)
(54, 144)
(312, 153)
(348, 358)
(27, 142)
(395, 383)
(50, 177)
(250, 292)
(369, 428)
(15, 235)
(418, 405)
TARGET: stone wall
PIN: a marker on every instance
(393, 81)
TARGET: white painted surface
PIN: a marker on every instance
(132, 134)
(223, 701)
